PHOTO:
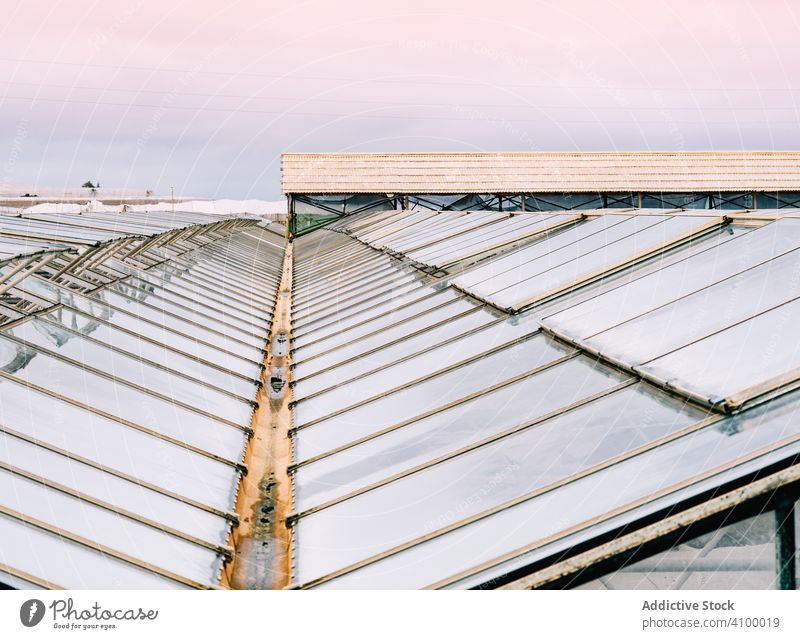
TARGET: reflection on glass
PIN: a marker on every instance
(739, 556)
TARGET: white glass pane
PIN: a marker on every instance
(425, 501)
(125, 494)
(362, 346)
(109, 529)
(449, 430)
(578, 502)
(561, 267)
(737, 358)
(366, 327)
(68, 564)
(428, 351)
(84, 351)
(480, 239)
(740, 252)
(416, 399)
(112, 444)
(157, 414)
(700, 314)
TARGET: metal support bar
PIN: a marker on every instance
(786, 544)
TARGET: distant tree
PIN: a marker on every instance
(88, 185)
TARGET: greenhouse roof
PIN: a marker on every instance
(473, 394)
(477, 392)
(132, 348)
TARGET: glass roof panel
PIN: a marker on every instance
(417, 504)
(535, 278)
(448, 430)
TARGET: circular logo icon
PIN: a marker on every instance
(31, 612)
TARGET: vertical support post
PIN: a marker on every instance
(522, 199)
(291, 223)
(755, 199)
(785, 544)
(639, 200)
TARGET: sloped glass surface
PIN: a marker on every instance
(123, 534)
(738, 556)
(160, 415)
(507, 230)
(411, 401)
(742, 251)
(487, 476)
(68, 564)
(556, 268)
(584, 501)
(434, 318)
(121, 366)
(126, 494)
(448, 430)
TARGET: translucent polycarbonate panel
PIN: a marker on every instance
(159, 415)
(7, 580)
(583, 502)
(470, 483)
(335, 325)
(115, 445)
(124, 494)
(438, 227)
(344, 302)
(410, 401)
(183, 320)
(345, 269)
(742, 251)
(158, 331)
(195, 280)
(53, 325)
(335, 291)
(233, 311)
(586, 236)
(441, 346)
(121, 366)
(702, 313)
(430, 223)
(358, 348)
(738, 556)
(448, 430)
(68, 564)
(384, 230)
(466, 223)
(737, 358)
(107, 528)
(483, 239)
(343, 317)
(559, 268)
(220, 278)
(365, 329)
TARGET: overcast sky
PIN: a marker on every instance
(204, 96)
